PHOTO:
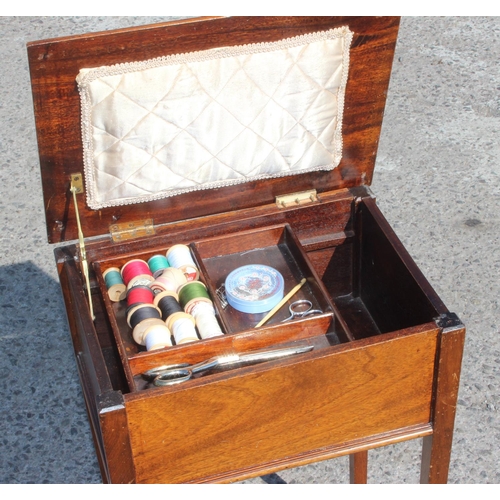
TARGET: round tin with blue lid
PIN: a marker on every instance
(254, 288)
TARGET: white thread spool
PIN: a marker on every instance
(139, 331)
(182, 326)
(157, 337)
(206, 322)
(179, 256)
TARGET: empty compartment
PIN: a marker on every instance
(374, 283)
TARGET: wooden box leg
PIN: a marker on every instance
(436, 450)
(116, 440)
(358, 467)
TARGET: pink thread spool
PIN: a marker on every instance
(169, 281)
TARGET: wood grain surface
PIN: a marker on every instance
(54, 65)
(208, 429)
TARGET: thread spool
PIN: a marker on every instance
(157, 337)
(182, 326)
(206, 322)
(139, 330)
(141, 317)
(114, 283)
(254, 288)
(140, 280)
(141, 312)
(179, 256)
(134, 267)
(192, 292)
(169, 280)
(157, 264)
(167, 303)
(139, 295)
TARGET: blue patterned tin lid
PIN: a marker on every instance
(254, 288)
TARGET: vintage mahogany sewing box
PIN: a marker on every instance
(226, 146)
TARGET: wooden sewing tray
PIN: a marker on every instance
(387, 352)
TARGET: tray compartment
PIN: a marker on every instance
(276, 247)
(215, 257)
(362, 278)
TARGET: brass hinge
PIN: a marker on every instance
(131, 230)
(297, 199)
(76, 187)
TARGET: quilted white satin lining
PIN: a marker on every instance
(213, 118)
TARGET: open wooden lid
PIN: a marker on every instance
(55, 64)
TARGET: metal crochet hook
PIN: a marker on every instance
(175, 374)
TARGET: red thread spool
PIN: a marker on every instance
(140, 295)
(134, 267)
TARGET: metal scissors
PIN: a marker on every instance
(301, 309)
(175, 374)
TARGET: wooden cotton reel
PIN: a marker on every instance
(179, 256)
(148, 328)
(114, 284)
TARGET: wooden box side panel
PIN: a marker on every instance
(390, 284)
(233, 426)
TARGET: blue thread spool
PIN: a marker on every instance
(254, 288)
(157, 264)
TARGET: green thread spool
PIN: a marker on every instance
(157, 264)
(114, 283)
(192, 292)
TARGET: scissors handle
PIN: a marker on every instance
(173, 376)
(298, 309)
(154, 372)
(180, 373)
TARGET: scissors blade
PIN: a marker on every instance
(261, 356)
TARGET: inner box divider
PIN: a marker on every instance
(278, 245)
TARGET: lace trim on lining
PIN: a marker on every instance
(87, 76)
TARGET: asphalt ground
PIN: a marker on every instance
(437, 180)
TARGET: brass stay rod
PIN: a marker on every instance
(83, 255)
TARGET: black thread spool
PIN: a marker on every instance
(168, 304)
(141, 312)
(140, 318)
